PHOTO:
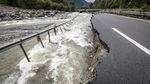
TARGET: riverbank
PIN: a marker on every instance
(8, 13)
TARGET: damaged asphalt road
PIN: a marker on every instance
(128, 39)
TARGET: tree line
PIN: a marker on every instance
(41, 4)
(124, 4)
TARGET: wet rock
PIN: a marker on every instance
(13, 13)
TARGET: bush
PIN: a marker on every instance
(3, 1)
(145, 8)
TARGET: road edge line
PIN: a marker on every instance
(146, 50)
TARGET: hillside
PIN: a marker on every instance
(68, 5)
(122, 4)
(40, 4)
(80, 3)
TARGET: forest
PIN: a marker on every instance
(41, 4)
(71, 4)
(122, 4)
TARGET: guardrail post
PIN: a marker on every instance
(4, 48)
(39, 40)
(55, 31)
(49, 36)
(24, 52)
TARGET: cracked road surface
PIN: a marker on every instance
(129, 41)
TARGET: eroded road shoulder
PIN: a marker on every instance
(126, 63)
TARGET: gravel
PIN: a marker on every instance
(13, 13)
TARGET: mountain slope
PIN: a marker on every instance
(121, 3)
(46, 4)
(80, 3)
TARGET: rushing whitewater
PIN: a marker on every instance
(70, 57)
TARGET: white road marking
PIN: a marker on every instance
(133, 41)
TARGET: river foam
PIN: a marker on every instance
(65, 60)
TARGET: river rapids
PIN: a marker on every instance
(69, 58)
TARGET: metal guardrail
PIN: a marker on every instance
(136, 14)
(132, 13)
(37, 35)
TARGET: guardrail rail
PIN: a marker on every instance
(37, 35)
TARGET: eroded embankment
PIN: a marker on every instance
(70, 57)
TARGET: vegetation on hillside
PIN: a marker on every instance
(103, 4)
(41, 4)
